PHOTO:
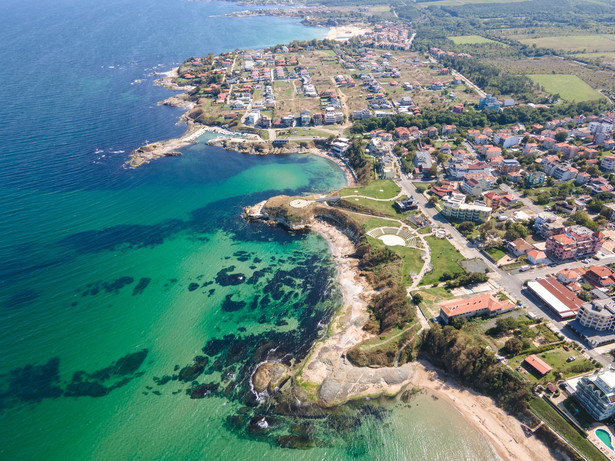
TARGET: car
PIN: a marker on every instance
(596, 257)
(566, 348)
(586, 261)
(553, 265)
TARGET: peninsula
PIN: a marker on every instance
(469, 186)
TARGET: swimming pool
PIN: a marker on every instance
(605, 437)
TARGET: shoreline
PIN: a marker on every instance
(326, 365)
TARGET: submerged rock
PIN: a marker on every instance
(297, 442)
(191, 372)
(202, 390)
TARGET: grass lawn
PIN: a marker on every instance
(496, 253)
(557, 359)
(580, 414)
(385, 208)
(470, 40)
(543, 410)
(372, 223)
(589, 43)
(432, 297)
(425, 230)
(381, 189)
(569, 87)
(412, 262)
(444, 258)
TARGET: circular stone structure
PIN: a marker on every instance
(392, 240)
(299, 203)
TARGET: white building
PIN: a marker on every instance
(597, 394)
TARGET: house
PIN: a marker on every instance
(489, 102)
(449, 129)
(510, 165)
(537, 364)
(596, 393)
(519, 247)
(567, 276)
(402, 133)
(475, 306)
(422, 160)
(556, 297)
(582, 178)
(535, 257)
(445, 189)
(600, 276)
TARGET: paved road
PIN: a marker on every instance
(512, 284)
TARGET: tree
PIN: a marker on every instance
(514, 346)
(585, 296)
(595, 205)
(417, 298)
(593, 170)
(433, 200)
(542, 199)
(390, 126)
(467, 227)
(561, 136)
(433, 171)
(514, 231)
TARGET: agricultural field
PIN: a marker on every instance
(596, 78)
(462, 2)
(471, 40)
(588, 43)
(569, 87)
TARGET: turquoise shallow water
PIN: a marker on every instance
(113, 281)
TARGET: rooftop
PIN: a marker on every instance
(538, 364)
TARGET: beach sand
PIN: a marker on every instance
(340, 381)
(343, 33)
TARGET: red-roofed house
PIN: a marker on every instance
(537, 257)
(600, 276)
(537, 364)
(568, 276)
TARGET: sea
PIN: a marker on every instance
(135, 304)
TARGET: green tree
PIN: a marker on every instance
(514, 346)
(561, 136)
(433, 200)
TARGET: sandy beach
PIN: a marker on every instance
(340, 381)
(343, 33)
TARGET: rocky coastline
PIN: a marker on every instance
(327, 379)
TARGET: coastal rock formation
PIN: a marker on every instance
(268, 376)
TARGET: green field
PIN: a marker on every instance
(381, 189)
(589, 43)
(432, 297)
(444, 258)
(471, 40)
(543, 410)
(569, 87)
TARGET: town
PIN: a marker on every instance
(495, 207)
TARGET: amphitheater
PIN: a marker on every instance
(393, 236)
